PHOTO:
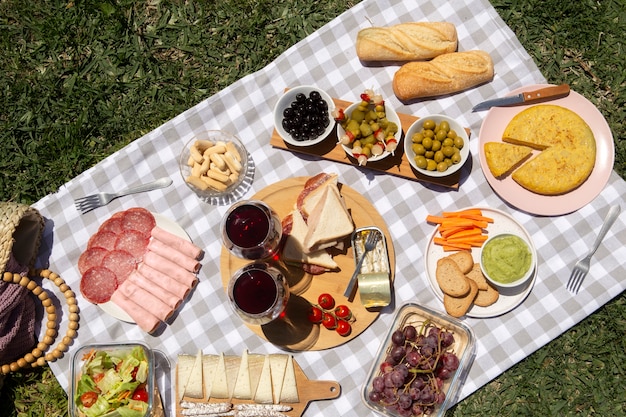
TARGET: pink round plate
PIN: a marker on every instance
(492, 129)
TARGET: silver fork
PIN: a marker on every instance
(86, 204)
(582, 266)
(370, 244)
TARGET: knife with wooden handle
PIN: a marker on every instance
(527, 97)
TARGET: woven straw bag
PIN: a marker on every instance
(21, 228)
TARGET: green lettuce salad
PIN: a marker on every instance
(113, 384)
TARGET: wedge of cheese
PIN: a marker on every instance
(278, 364)
(264, 393)
(242, 384)
(289, 390)
(194, 386)
(255, 367)
(209, 365)
(183, 370)
(219, 387)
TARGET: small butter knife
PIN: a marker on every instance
(527, 97)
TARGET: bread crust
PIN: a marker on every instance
(451, 279)
(406, 41)
(445, 74)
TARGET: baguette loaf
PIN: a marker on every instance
(406, 41)
(445, 74)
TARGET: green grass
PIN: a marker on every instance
(82, 80)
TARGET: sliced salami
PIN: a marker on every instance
(90, 258)
(139, 219)
(121, 263)
(102, 239)
(113, 224)
(98, 284)
(133, 242)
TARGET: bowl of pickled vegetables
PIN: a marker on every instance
(436, 145)
(302, 116)
(368, 130)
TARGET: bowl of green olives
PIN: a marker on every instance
(368, 130)
(302, 116)
(436, 145)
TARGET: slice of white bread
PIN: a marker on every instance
(330, 220)
(289, 390)
(310, 200)
(293, 250)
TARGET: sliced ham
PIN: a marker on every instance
(98, 284)
(102, 239)
(169, 268)
(121, 263)
(139, 219)
(149, 301)
(90, 258)
(172, 300)
(158, 278)
(166, 251)
(146, 321)
(133, 242)
(176, 242)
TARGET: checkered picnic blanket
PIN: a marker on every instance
(327, 59)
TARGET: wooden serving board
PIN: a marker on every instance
(295, 332)
(308, 390)
(396, 164)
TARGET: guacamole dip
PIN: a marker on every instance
(506, 258)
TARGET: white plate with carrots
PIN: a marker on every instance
(467, 229)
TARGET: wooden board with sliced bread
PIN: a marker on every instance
(267, 380)
(295, 331)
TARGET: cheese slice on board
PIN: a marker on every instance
(255, 366)
(263, 392)
(242, 385)
(209, 365)
(232, 368)
(193, 387)
(219, 388)
(289, 390)
(278, 364)
(185, 365)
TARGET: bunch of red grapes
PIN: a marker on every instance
(411, 378)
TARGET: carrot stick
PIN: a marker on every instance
(455, 247)
(461, 213)
(434, 219)
(464, 233)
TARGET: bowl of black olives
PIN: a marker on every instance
(302, 116)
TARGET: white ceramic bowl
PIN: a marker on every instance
(417, 127)
(286, 100)
(507, 248)
(392, 116)
(234, 190)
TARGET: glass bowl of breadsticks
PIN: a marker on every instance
(216, 166)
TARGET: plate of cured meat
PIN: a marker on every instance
(306, 281)
(139, 267)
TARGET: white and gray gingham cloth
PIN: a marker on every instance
(328, 60)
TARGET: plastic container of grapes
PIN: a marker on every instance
(463, 346)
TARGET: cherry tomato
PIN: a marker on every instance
(315, 315)
(326, 301)
(89, 398)
(329, 321)
(343, 328)
(343, 312)
(140, 394)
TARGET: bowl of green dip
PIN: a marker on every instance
(507, 260)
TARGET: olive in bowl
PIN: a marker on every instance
(507, 260)
(436, 145)
(302, 116)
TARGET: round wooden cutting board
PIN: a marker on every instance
(294, 331)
